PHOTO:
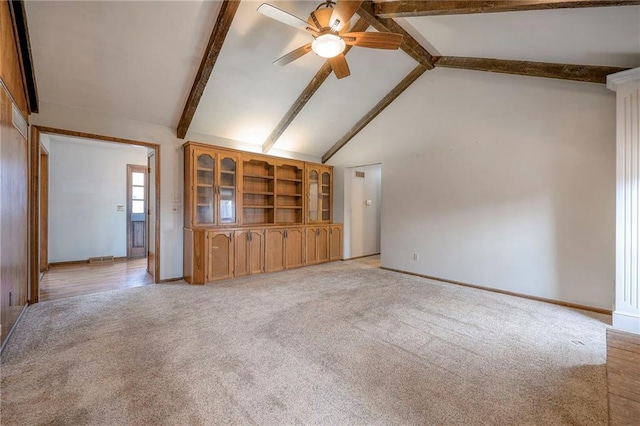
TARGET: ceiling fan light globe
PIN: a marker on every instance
(328, 45)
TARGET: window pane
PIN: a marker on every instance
(137, 179)
(137, 192)
(137, 207)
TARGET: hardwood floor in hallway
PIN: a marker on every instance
(75, 280)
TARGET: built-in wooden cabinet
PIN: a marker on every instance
(284, 248)
(317, 244)
(335, 242)
(275, 247)
(219, 256)
(289, 193)
(294, 247)
(249, 252)
(211, 187)
(258, 191)
(247, 213)
(319, 193)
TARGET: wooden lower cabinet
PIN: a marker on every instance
(208, 255)
(249, 252)
(335, 242)
(211, 254)
(294, 247)
(317, 244)
(220, 255)
(284, 248)
(274, 247)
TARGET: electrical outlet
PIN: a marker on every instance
(416, 256)
(175, 209)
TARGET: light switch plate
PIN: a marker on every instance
(368, 202)
(120, 208)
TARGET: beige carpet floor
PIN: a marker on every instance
(340, 343)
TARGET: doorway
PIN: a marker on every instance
(138, 222)
(362, 215)
(136, 211)
(44, 209)
(152, 230)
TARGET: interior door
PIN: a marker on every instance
(44, 209)
(136, 211)
(151, 214)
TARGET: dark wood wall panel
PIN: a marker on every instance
(14, 181)
(10, 70)
(13, 218)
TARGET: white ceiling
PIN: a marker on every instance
(139, 59)
(126, 58)
(590, 36)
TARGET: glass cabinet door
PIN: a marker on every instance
(325, 197)
(313, 196)
(205, 190)
(227, 190)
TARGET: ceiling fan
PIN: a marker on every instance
(328, 24)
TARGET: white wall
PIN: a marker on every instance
(362, 221)
(500, 181)
(171, 159)
(87, 180)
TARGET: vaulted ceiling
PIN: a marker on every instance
(140, 59)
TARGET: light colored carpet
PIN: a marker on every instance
(340, 343)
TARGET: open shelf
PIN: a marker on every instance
(257, 176)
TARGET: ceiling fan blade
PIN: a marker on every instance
(293, 55)
(320, 18)
(373, 40)
(340, 66)
(343, 12)
(285, 17)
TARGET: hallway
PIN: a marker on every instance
(75, 280)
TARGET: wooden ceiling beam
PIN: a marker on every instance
(400, 9)
(409, 44)
(373, 113)
(214, 46)
(586, 73)
(306, 94)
